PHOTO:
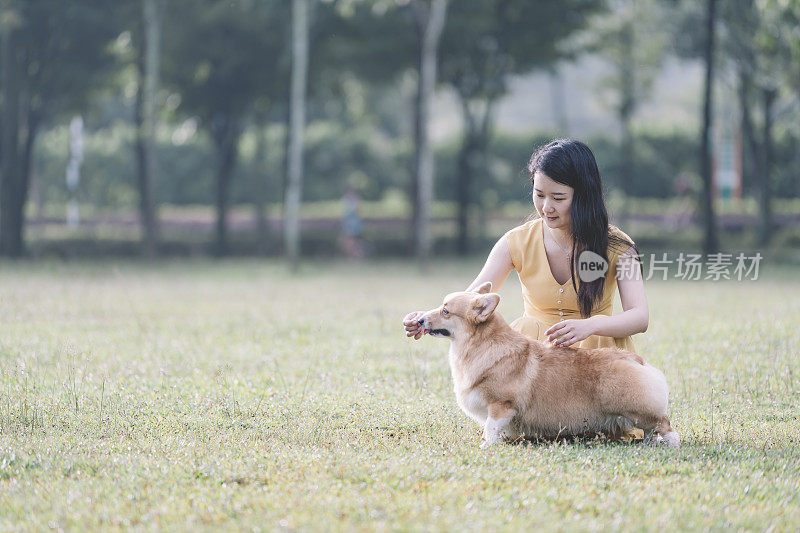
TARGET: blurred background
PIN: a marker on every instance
(375, 128)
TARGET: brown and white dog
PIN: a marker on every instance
(515, 386)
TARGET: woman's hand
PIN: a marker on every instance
(413, 329)
(569, 332)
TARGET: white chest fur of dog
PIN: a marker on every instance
(469, 399)
(513, 385)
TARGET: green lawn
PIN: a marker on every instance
(197, 395)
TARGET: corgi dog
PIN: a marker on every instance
(515, 386)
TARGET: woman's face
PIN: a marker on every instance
(552, 200)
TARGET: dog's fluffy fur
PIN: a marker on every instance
(515, 386)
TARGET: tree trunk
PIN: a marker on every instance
(752, 151)
(297, 112)
(710, 241)
(463, 185)
(262, 188)
(26, 169)
(558, 102)
(626, 108)
(146, 123)
(430, 20)
(413, 192)
(226, 139)
(765, 186)
(627, 155)
(473, 150)
(464, 181)
(11, 191)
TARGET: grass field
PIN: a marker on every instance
(231, 395)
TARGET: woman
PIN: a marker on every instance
(560, 307)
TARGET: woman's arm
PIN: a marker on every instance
(635, 315)
(634, 318)
(497, 267)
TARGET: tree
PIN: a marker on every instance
(55, 55)
(484, 44)
(695, 36)
(710, 240)
(12, 177)
(297, 123)
(222, 57)
(429, 19)
(758, 47)
(632, 37)
(369, 49)
(369, 46)
(148, 69)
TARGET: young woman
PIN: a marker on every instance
(563, 304)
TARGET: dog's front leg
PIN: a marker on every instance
(497, 427)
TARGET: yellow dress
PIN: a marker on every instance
(548, 302)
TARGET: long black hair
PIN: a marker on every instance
(572, 163)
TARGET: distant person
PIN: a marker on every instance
(563, 305)
(352, 225)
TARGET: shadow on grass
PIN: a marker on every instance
(586, 439)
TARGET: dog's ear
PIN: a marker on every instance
(484, 305)
(484, 288)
